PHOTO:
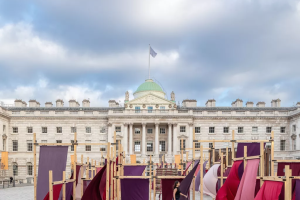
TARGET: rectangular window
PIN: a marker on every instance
(137, 109)
(58, 141)
(162, 107)
(282, 145)
(149, 130)
(72, 146)
(162, 146)
(102, 148)
(183, 141)
(15, 169)
(182, 129)
(88, 129)
(254, 129)
(15, 145)
(210, 145)
(117, 144)
(29, 170)
(137, 131)
(118, 129)
(162, 130)
(15, 129)
(268, 129)
(29, 130)
(197, 129)
(44, 129)
(137, 146)
(282, 129)
(240, 129)
(294, 128)
(73, 129)
(88, 147)
(211, 129)
(29, 145)
(226, 129)
(149, 146)
(58, 129)
(150, 109)
(197, 146)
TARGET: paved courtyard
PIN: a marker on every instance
(26, 193)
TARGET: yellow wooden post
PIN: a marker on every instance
(64, 186)
(34, 166)
(214, 154)
(50, 185)
(114, 166)
(111, 174)
(154, 185)
(107, 170)
(262, 170)
(245, 155)
(272, 153)
(287, 183)
(81, 175)
(150, 181)
(227, 157)
(193, 162)
(201, 172)
(75, 162)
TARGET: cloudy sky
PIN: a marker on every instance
(74, 49)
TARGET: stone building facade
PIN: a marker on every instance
(149, 124)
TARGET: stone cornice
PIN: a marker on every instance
(241, 117)
(5, 116)
(57, 117)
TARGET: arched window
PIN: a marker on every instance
(29, 168)
(15, 169)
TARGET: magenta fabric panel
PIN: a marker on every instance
(186, 182)
(134, 170)
(167, 188)
(135, 189)
(51, 158)
(98, 169)
(270, 190)
(247, 185)
(92, 191)
(187, 167)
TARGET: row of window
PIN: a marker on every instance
(240, 129)
(58, 130)
(29, 167)
(137, 146)
(150, 109)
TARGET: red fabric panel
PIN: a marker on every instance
(92, 191)
(167, 188)
(295, 167)
(270, 190)
(229, 189)
(56, 192)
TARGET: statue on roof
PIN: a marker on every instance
(126, 96)
(172, 96)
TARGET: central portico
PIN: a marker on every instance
(146, 130)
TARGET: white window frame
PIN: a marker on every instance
(197, 129)
(149, 132)
(240, 129)
(137, 131)
(182, 129)
(44, 129)
(88, 129)
(268, 129)
(15, 130)
(282, 128)
(29, 145)
(162, 146)
(162, 130)
(73, 129)
(29, 129)
(211, 129)
(15, 145)
(254, 129)
(224, 129)
(58, 129)
(149, 146)
(137, 146)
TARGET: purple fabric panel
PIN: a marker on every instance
(241, 170)
(253, 149)
(186, 182)
(69, 191)
(51, 158)
(197, 181)
(297, 189)
(134, 170)
(135, 189)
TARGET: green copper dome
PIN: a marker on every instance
(149, 85)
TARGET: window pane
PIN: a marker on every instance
(137, 131)
(44, 129)
(162, 146)
(197, 129)
(149, 130)
(240, 129)
(149, 146)
(162, 131)
(29, 145)
(137, 146)
(211, 129)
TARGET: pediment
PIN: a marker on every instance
(150, 99)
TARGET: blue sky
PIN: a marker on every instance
(247, 49)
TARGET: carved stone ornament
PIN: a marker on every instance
(175, 105)
(4, 136)
(130, 106)
(294, 136)
(144, 105)
(156, 105)
(170, 106)
(126, 105)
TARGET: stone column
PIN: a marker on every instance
(125, 138)
(169, 139)
(109, 133)
(130, 138)
(144, 140)
(175, 139)
(156, 139)
(191, 132)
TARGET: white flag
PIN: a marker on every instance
(152, 52)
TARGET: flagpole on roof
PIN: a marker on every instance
(149, 62)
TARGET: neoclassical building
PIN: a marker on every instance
(149, 124)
